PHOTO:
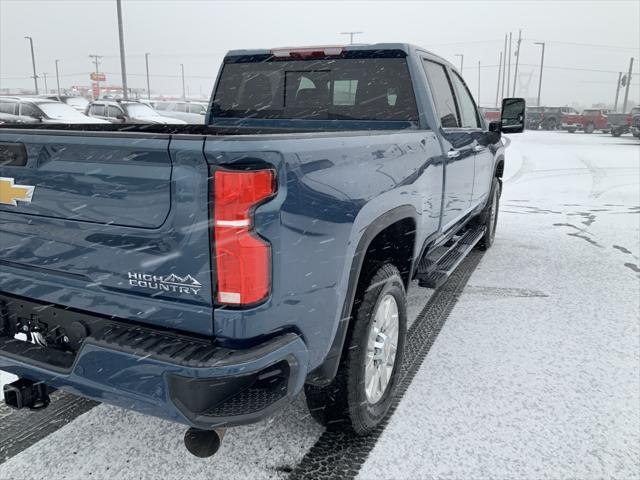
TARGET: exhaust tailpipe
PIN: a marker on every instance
(203, 443)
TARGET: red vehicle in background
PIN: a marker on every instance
(595, 119)
(570, 120)
(490, 114)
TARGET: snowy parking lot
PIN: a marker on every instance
(535, 372)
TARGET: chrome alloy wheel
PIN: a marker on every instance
(381, 348)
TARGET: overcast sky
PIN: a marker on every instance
(587, 42)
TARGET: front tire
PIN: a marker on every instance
(360, 396)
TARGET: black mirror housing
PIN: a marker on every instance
(512, 115)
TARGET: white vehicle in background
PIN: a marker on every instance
(42, 110)
(128, 111)
(190, 112)
(78, 103)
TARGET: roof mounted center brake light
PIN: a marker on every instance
(306, 52)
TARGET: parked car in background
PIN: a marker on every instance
(635, 124)
(595, 119)
(534, 117)
(571, 121)
(190, 112)
(42, 110)
(620, 123)
(552, 117)
(490, 114)
(128, 111)
(78, 103)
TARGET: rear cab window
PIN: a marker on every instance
(366, 89)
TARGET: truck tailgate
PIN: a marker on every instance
(114, 224)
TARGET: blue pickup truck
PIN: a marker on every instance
(207, 274)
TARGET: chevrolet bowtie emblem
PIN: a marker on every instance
(10, 193)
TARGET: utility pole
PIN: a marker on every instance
(184, 97)
(96, 59)
(478, 82)
(123, 66)
(146, 61)
(461, 55)
(58, 78)
(46, 88)
(517, 54)
(615, 105)
(498, 82)
(509, 71)
(626, 92)
(541, 68)
(504, 65)
(33, 63)
(351, 34)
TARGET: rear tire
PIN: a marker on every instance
(489, 215)
(348, 403)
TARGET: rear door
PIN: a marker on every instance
(458, 144)
(110, 223)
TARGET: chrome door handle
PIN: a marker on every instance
(453, 153)
(479, 148)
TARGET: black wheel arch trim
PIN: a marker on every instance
(326, 371)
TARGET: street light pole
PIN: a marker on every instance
(57, 77)
(33, 63)
(46, 88)
(541, 68)
(96, 59)
(351, 34)
(478, 82)
(123, 66)
(461, 61)
(498, 83)
(504, 66)
(146, 61)
(184, 97)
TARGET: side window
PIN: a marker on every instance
(442, 94)
(28, 110)
(196, 108)
(97, 110)
(113, 112)
(467, 107)
(7, 107)
(182, 108)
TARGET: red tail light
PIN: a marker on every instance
(242, 258)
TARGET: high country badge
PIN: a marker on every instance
(169, 283)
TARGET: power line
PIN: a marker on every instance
(578, 44)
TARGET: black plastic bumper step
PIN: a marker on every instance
(435, 268)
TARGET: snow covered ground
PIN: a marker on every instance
(536, 373)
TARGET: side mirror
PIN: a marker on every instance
(512, 116)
